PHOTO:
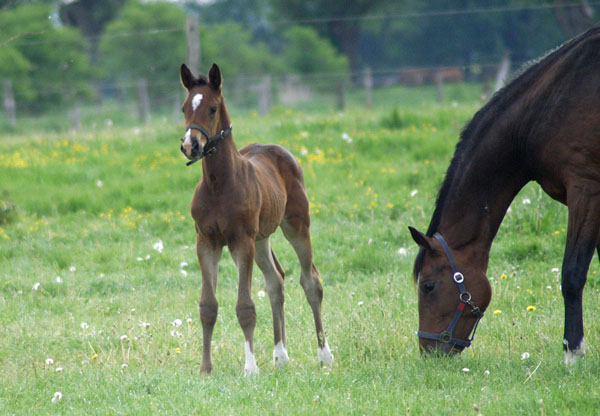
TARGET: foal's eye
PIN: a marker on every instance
(182, 110)
(213, 110)
(428, 287)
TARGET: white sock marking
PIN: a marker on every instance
(250, 366)
(280, 355)
(324, 355)
(571, 357)
(196, 101)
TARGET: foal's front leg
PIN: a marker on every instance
(209, 256)
(242, 252)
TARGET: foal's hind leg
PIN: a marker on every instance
(266, 261)
(582, 239)
(295, 228)
(209, 256)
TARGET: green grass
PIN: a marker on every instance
(97, 239)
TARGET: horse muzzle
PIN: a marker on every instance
(191, 147)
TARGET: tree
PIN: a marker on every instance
(47, 64)
(343, 33)
(91, 17)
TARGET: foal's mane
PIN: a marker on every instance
(483, 120)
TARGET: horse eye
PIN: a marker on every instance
(428, 287)
(213, 110)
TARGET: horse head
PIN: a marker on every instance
(202, 112)
(453, 293)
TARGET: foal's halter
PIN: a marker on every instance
(465, 299)
(214, 140)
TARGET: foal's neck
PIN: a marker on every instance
(218, 167)
(488, 178)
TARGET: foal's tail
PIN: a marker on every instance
(278, 266)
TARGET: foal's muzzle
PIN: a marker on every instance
(192, 150)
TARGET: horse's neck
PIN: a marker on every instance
(220, 166)
(487, 181)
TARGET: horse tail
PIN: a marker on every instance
(278, 266)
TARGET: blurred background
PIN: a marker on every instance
(73, 64)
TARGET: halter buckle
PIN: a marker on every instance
(445, 337)
(458, 277)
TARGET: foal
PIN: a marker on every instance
(240, 201)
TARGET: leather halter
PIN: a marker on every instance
(465, 299)
(214, 140)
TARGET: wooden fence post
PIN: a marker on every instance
(341, 95)
(368, 83)
(264, 95)
(192, 35)
(9, 104)
(143, 101)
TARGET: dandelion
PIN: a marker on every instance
(148, 256)
(59, 279)
(101, 276)
(304, 152)
(144, 324)
(158, 246)
(183, 264)
(94, 357)
(189, 321)
(530, 308)
(486, 373)
(497, 312)
(49, 361)
(465, 370)
(139, 259)
(346, 138)
(84, 325)
(555, 270)
(72, 269)
(360, 303)
(261, 293)
(56, 397)
(183, 272)
(402, 251)
(525, 356)
(124, 366)
(503, 276)
(414, 192)
(36, 286)
(178, 350)
(123, 337)
(59, 369)
(176, 322)
(526, 201)
(549, 287)
(99, 183)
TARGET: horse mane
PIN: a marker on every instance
(201, 80)
(483, 120)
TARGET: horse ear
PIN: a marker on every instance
(187, 78)
(214, 77)
(421, 239)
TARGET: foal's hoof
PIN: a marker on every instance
(325, 356)
(280, 355)
(250, 370)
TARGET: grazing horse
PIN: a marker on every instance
(544, 126)
(240, 201)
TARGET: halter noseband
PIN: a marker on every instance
(214, 140)
(465, 299)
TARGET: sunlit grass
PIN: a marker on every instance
(122, 321)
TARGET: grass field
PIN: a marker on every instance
(91, 308)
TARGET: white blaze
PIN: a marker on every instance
(196, 101)
(187, 142)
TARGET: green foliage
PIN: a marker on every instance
(8, 210)
(155, 58)
(46, 64)
(307, 53)
(230, 46)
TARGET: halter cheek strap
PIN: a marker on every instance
(465, 299)
(214, 140)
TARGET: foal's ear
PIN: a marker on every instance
(421, 239)
(187, 78)
(214, 77)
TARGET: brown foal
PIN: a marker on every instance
(240, 201)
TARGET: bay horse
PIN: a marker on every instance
(241, 199)
(544, 126)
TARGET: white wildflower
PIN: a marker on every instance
(183, 272)
(59, 279)
(555, 270)
(304, 152)
(526, 201)
(414, 192)
(72, 269)
(176, 322)
(99, 183)
(346, 138)
(183, 264)
(525, 356)
(49, 361)
(144, 324)
(261, 293)
(84, 325)
(148, 256)
(189, 320)
(36, 286)
(360, 303)
(124, 337)
(59, 369)
(465, 370)
(402, 251)
(158, 246)
(57, 396)
(124, 366)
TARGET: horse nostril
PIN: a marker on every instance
(195, 145)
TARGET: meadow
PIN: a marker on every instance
(99, 281)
